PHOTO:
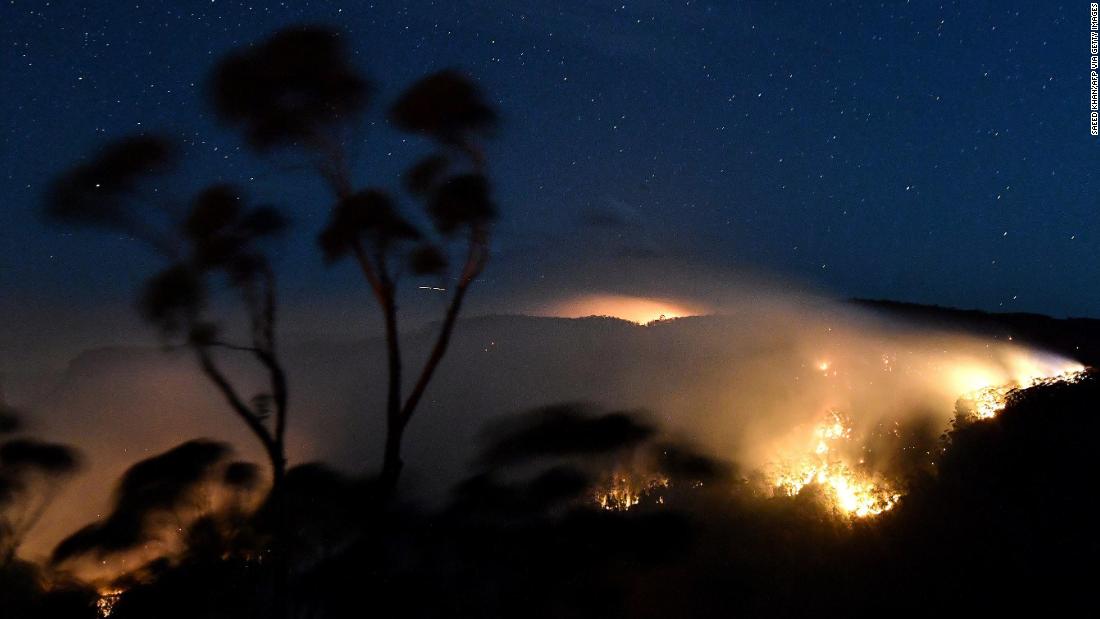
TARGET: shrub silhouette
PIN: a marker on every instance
(153, 487)
(31, 473)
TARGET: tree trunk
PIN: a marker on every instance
(395, 424)
(398, 419)
(280, 543)
(391, 459)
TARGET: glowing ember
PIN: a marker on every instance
(624, 490)
(851, 492)
(107, 600)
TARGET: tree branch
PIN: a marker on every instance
(369, 272)
(440, 348)
(230, 346)
(476, 255)
(268, 357)
(211, 370)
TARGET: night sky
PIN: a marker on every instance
(935, 152)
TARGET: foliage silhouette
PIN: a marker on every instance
(222, 569)
(97, 193)
(154, 487)
(561, 430)
(296, 87)
(446, 107)
(48, 458)
(9, 420)
(244, 476)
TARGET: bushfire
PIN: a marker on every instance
(859, 493)
(851, 491)
(623, 490)
(106, 602)
(986, 402)
(829, 459)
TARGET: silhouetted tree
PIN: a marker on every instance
(215, 240)
(299, 91)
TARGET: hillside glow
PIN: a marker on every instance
(641, 310)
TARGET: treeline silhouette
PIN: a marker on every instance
(1075, 338)
(1001, 519)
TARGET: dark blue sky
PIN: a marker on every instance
(927, 151)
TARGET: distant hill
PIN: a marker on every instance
(732, 381)
(1078, 338)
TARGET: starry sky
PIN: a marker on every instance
(934, 152)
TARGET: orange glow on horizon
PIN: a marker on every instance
(640, 310)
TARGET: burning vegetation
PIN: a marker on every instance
(849, 489)
(987, 402)
(107, 600)
(573, 480)
(832, 460)
(624, 489)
